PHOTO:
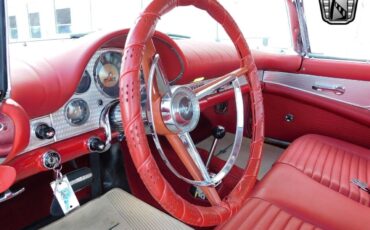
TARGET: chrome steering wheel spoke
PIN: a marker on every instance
(162, 82)
(194, 154)
(210, 87)
(218, 83)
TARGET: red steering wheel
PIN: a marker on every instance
(139, 50)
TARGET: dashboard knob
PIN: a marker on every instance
(96, 145)
(44, 131)
(51, 159)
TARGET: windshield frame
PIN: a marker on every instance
(3, 52)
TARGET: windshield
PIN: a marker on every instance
(35, 20)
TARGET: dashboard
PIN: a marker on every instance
(60, 101)
(96, 94)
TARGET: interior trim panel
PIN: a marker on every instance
(352, 92)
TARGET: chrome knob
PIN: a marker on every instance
(51, 159)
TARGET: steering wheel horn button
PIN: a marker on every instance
(180, 110)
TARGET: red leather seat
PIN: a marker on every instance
(331, 162)
(288, 199)
(309, 188)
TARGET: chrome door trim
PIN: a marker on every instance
(357, 93)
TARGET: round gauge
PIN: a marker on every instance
(106, 72)
(84, 83)
(77, 112)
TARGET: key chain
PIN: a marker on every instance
(63, 191)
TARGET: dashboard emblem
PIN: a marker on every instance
(338, 12)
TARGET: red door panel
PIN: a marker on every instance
(313, 114)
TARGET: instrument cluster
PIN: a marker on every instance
(98, 88)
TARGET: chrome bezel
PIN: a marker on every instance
(96, 80)
(89, 76)
(87, 115)
(45, 155)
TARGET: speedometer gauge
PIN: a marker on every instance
(106, 72)
(77, 112)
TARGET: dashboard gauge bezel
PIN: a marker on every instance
(99, 85)
(85, 75)
(86, 118)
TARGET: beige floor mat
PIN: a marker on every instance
(270, 153)
(117, 210)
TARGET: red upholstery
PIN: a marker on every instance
(299, 197)
(332, 163)
(298, 192)
(260, 214)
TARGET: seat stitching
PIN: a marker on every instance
(332, 168)
(273, 219)
(349, 175)
(358, 176)
(287, 221)
(323, 166)
(299, 150)
(340, 173)
(300, 225)
(293, 166)
(285, 210)
(309, 157)
(252, 203)
(317, 158)
(262, 214)
(349, 151)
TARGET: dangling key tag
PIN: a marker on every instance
(63, 192)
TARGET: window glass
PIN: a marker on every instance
(253, 18)
(59, 18)
(63, 20)
(13, 27)
(350, 41)
(34, 20)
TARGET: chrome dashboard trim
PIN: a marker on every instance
(356, 93)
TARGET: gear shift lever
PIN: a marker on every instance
(218, 133)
